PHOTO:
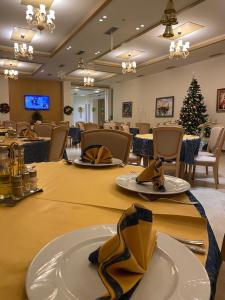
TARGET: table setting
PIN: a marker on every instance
(70, 231)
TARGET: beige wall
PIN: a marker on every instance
(143, 91)
(21, 87)
(4, 97)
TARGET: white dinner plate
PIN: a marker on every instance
(173, 185)
(61, 270)
(115, 162)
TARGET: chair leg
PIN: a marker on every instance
(207, 170)
(177, 169)
(193, 173)
(216, 177)
(189, 172)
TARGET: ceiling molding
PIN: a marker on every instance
(102, 4)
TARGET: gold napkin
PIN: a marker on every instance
(123, 260)
(30, 134)
(97, 154)
(153, 173)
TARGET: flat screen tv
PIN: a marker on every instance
(36, 102)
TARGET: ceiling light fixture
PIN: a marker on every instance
(89, 81)
(11, 74)
(97, 52)
(169, 18)
(23, 50)
(69, 47)
(142, 25)
(129, 66)
(179, 49)
(137, 28)
(40, 18)
(103, 18)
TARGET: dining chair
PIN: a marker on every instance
(118, 142)
(63, 123)
(80, 125)
(125, 128)
(143, 127)
(106, 126)
(57, 143)
(91, 126)
(20, 126)
(211, 161)
(9, 124)
(220, 285)
(167, 142)
(43, 129)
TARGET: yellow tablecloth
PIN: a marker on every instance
(149, 136)
(26, 228)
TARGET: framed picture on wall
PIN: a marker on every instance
(220, 106)
(164, 107)
(127, 109)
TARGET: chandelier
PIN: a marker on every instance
(179, 49)
(169, 18)
(129, 66)
(89, 81)
(40, 18)
(11, 74)
(23, 50)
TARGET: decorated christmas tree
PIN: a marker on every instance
(193, 113)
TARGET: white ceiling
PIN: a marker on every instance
(125, 15)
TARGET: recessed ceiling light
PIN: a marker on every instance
(104, 17)
(97, 52)
(101, 20)
(42, 71)
(69, 47)
(142, 25)
(137, 28)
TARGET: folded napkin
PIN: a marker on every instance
(153, 173)
(123, 260)
(97, 154)
(28, 133)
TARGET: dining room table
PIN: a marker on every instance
(76, 197)
(75, 134)
(143, 146)
(35, 150)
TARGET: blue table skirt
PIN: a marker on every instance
(214, 257)
(189, 149)
(36, 152)
(74, 132)
(134, 130)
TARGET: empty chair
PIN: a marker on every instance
(167, 142)
(90, 126)
(107, 126)
(118, 142)
(9, 124)
(43, 129)
(63, 123)
(58, 143)
(125, 128)
(213, 160)
(20, 126)
(213, 142)
(143, 127)
(80, 125)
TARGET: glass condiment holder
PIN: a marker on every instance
(33, 180)
(5, 173)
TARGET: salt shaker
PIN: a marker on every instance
(33, 180)
(26, 182)
(17, 186)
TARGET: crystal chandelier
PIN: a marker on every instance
(40, 18)
(11, 74)
(129, 66)
(89, 81)
(23, 50)
(169, 18)
(179, 49)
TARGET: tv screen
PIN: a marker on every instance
(36, 102)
